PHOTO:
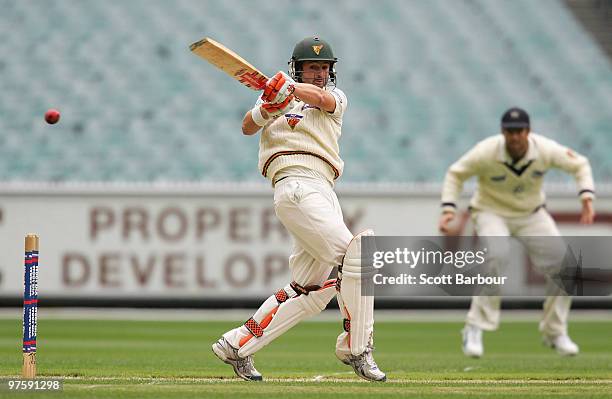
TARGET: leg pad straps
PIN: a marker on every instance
(282, 296)
(254, 327)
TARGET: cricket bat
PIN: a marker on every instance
(230, 63)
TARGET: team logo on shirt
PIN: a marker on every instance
(293, 119)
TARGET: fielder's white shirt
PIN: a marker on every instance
(513, 189)
(304, 136)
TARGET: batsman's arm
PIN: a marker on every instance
(255, 118)
(316, 96)
(281, 86)
(263, 113)
(249, 127)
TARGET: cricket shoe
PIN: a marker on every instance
(365, 366)
(563, 344)
(472, 341)
(244, 367)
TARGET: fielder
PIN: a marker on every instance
(509, 201)
(301, 116)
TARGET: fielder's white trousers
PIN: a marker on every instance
(485, 310)
(309, 209)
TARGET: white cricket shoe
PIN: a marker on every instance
(244, 367)
(365, 366)
(563, 344)
(472, 341)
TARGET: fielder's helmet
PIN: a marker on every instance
(312, 49)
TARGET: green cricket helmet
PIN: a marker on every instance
(312, 49)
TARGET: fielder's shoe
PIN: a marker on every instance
(243, 366)
(472, 341)
(563, 344)
(365, 366)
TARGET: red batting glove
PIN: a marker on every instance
(275, 110)
(269, 92)
(278, 88)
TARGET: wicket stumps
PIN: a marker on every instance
(30, 306)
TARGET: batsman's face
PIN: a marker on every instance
(517, 141)
(315, 72)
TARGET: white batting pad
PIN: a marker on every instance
(355, 307)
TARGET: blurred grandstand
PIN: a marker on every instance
(425, 80)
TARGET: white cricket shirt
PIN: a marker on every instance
(513, 189)
(304, 136)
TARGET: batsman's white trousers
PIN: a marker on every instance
(309, 209)
(485, 310)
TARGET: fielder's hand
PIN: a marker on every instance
(278, 88)
(587, 216)
(445, 225)
(276, 109)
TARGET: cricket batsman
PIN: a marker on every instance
(509, 201)
(301, 116)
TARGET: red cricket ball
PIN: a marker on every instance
(52, 116)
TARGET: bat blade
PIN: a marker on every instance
(230, 63)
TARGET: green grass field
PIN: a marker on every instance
(123, 359)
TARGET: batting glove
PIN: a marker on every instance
(278, 88)
(275, 110)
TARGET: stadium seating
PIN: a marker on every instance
(425, 80)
